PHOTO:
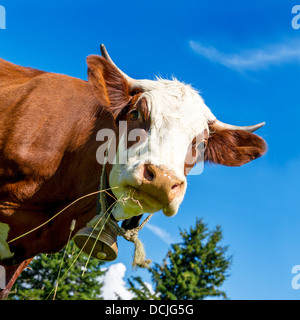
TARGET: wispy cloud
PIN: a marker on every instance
(251, 59)
(161, 233)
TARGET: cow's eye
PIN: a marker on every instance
(134, 115)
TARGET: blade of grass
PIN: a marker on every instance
(41, 225)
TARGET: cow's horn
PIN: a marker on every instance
(108, 58)
(218, 126)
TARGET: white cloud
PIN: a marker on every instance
(161, 233)
(251, 59)
(113, 282)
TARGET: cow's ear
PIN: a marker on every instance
(109, 85)
(234, 147)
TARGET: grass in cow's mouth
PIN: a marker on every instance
(141, 195)
(130, 197)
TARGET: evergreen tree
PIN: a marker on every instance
(192, 270)
(59, 276)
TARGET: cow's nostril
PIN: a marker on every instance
(176, 189)
(148, 173)
(175, 186)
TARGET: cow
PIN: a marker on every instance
(50, 151)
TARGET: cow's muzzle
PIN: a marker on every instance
(159, 183)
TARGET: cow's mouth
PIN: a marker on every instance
(147, 203)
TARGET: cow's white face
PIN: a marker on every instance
(168, 120)
(153, 177)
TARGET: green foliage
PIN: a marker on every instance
(142, 292)
(192, 270)
(39, 280)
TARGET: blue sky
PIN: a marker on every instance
(244, 57)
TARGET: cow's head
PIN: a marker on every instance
(163, 128)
